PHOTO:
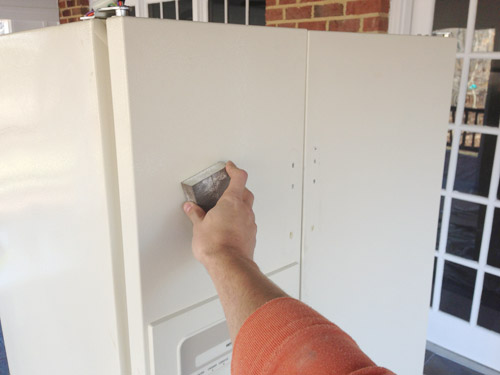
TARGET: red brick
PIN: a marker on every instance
(270, 3)
(63, 21)
(328, 10)
(70, 3)
(345, 25)
(66, 13)
(376, 24)
(318, 25)
(286, 24)
(367, 6)
(79, 11)
(297, 13)
(62, 4)
(84, 2)
(308, 1)
(274, 14)
(287, 2)
(74, 19)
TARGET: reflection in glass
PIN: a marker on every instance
(466, 229)
(154, 10)
(488, 23)
(257, 12)
(449, 140)
(456, 89)
(475, 163)
(494, 251)
(482, 101)
(433, 279)
(451, 17)
(169, 10)
(441, 205)
(457, 290)
(489, 309)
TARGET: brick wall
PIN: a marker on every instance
(72, 10)
(332, 15)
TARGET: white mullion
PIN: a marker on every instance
(460, 260)
(487, 230)
(226, 11)
(247, 12)
(161, 9)
(492, 270)
(477, 129)
(452, 166)
(177, 10)
(469, 197)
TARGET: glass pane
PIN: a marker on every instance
(186, 10)
(451, 17)
(216, 11)
(494, 251)
(236, 11)
(433, 279)
(456, 88)
(154, 10)
(486, 36)
(457, 290)
(489, 310)
(466, 229)
(447, 158)
(169, 10)
(257, 12)
(475, 163)
(441, 205)
(131, 13)
(4, 366)
(482, 102)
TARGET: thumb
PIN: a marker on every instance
(194, 212)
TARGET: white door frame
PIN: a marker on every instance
(415, 17)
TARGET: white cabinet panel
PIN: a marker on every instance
(377, 113)
(61, 301)
(185, 96)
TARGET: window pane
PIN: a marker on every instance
(4, 366)
(466, 229)
(154, 10)
(216, 11)
(457, 290)
(441, 205)
(456, 89)
(257, 12)
(447, 158)
(482, 102)
(236, 11)
(433, 279)
(450, 16)
(131, 11)
(494, 251)
(486, 36)
(186, 10)
(169, 10)
(489, 310)
(475, 163)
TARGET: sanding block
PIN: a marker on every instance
(206, 187)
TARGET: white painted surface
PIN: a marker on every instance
(59, 243)
(185, 96)
(375, 130)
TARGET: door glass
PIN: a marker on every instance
(154, 10)
(169, 10)
(433, 279)
(451, 17)
(489, 310)
(216, 11)
(457, 290)
(475, 163)
(494, 252)
(487, 26)
(186, 10)
(482, 103)
(441, 204)
(257, 12)
(456, 89)
(449, 140)
(4, 366)
(466, 229)
(236, 9)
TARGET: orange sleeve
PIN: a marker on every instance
(286, 337)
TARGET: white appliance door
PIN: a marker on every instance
(60, 282)
(377, 109)
(187, 95)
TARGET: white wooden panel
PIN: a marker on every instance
(185, 96)
(59, 246)
(377, 113)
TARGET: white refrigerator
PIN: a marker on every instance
(343, 137)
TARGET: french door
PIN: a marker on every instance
(465, 305)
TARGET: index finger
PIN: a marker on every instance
(238, 178)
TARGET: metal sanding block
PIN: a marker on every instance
(206, 187)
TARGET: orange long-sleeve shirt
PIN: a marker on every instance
(286, 337)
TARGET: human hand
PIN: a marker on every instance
(228, 229)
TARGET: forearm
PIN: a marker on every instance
(242, 288)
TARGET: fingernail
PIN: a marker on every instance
(187, 206)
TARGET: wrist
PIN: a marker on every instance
(226, 260)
